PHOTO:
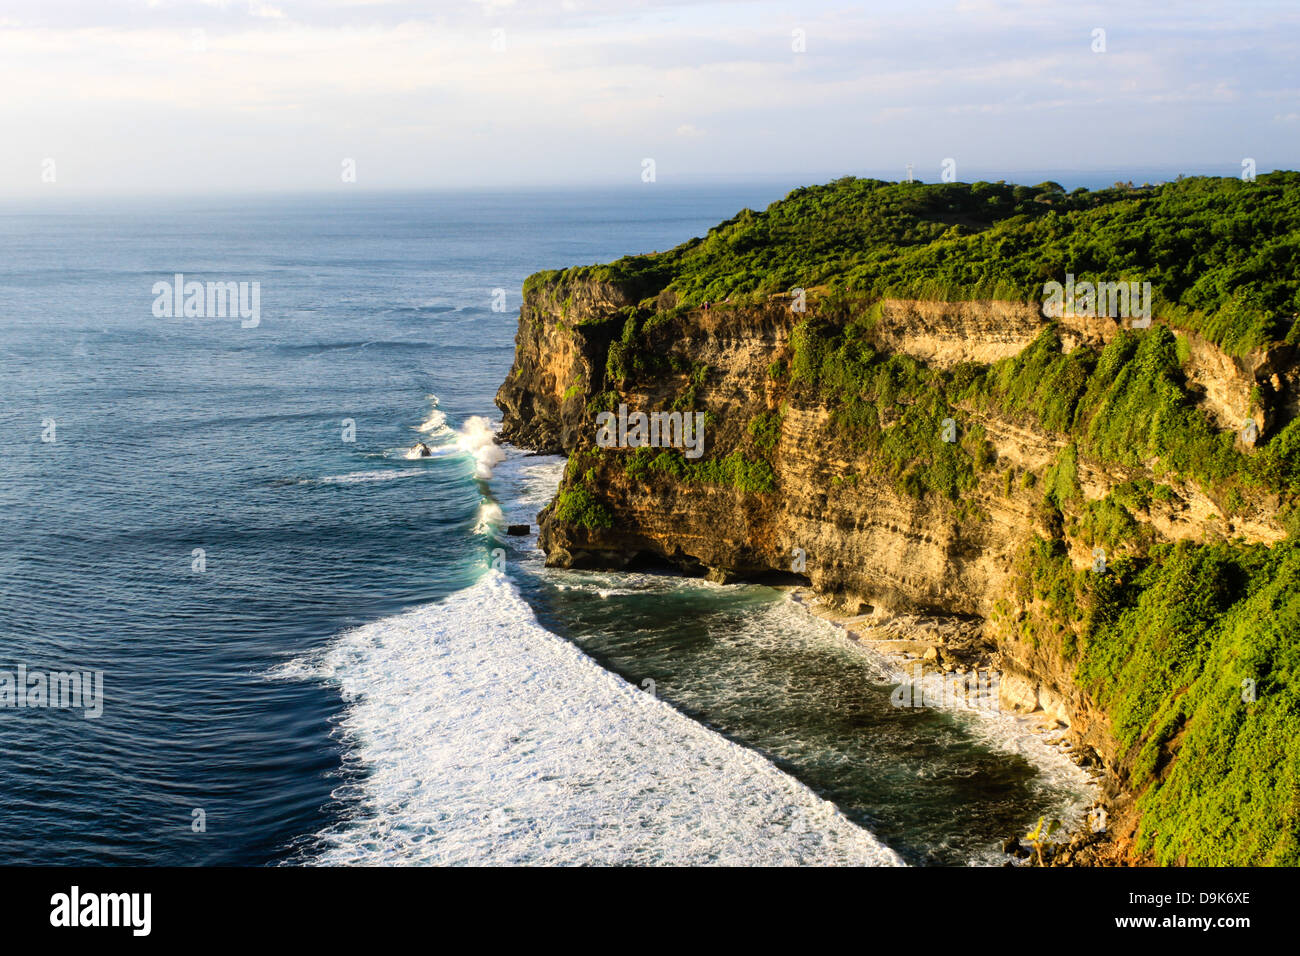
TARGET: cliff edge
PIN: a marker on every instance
(1108, 500)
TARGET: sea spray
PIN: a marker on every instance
(489, 518)
(477, 438)
(435, 424)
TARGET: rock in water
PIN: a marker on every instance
(721, 576)
(517, 529)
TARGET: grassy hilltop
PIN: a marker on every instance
(1222, 255)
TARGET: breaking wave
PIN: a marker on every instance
(480, 737)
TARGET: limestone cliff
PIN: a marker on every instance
(866, 540)
(796, 496)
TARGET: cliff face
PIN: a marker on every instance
(564, 335)
(802, 498)
(865, 540)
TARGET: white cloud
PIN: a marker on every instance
(281, 90)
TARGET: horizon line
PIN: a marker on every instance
(791, 180)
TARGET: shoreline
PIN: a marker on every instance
(918, 644)
(927, 650)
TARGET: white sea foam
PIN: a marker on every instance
(363, 477)
(477, 438)
(489, 518)
(1067, 787)
(484, 738)
(528, 483)
(481, 737)
(435, 424)
(414, 454)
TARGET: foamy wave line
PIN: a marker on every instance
(481, 737)
(435, 424)
(476, 439)
(362, 477)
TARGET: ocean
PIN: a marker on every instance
(307, 655)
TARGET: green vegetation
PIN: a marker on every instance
(577, 504)
(622, 358)
(1181, 647)
(1222, 255)
(896, 411)
(765, 430)
(1041, 835)
(1192, 652)
(1061, 485)
(1201, 242)
(685, 402)
(1129, 405)
(1190, 649)
(733, 471)
(1047, 580)
(1109, 524)
(1126, 404)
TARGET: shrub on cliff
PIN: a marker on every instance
(579, 506)
(1194, 656)
(1129, 404)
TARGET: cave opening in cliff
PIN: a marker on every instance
(652, 561)
(779, 579)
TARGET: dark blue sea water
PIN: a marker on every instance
(299, 634)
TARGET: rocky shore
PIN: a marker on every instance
(931, 648)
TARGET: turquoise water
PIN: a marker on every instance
(341, 677)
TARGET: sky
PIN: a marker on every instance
(233, 96)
